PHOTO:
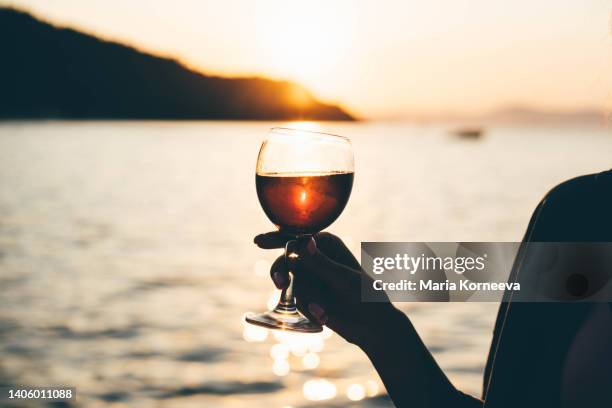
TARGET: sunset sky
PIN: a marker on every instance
(379, 59)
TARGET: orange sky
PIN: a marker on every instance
(378, 58)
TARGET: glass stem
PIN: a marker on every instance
(286, 303)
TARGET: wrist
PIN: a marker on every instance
(390, 327)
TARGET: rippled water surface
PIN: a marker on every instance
(126, 255)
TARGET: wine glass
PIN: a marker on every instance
(304, 180)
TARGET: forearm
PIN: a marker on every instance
(407, 368)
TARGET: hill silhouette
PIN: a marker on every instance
(51, 72)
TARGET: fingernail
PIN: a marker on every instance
(279, 280)
(311, 247)
(317, 312)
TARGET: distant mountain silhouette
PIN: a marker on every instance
(51, 72)
(521, 115)
(526, 115)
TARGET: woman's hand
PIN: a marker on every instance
(327, 286)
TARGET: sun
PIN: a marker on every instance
(303, 41)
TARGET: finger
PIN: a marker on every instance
(316, 304)
(337, 275)
(308, 285)
(271, 240)
(325, 316)
(335, 249)
(279, 273)
(317, 312)
(302, 306)
(313, 311)
(308, 288)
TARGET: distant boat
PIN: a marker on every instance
(469, 132)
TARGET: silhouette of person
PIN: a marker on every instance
(549, 354)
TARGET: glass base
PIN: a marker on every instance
(284, 320)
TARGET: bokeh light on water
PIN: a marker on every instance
(300, 352)
(355, 392)
(311, 360)
(319, 390)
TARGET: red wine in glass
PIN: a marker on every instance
(303, 204)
